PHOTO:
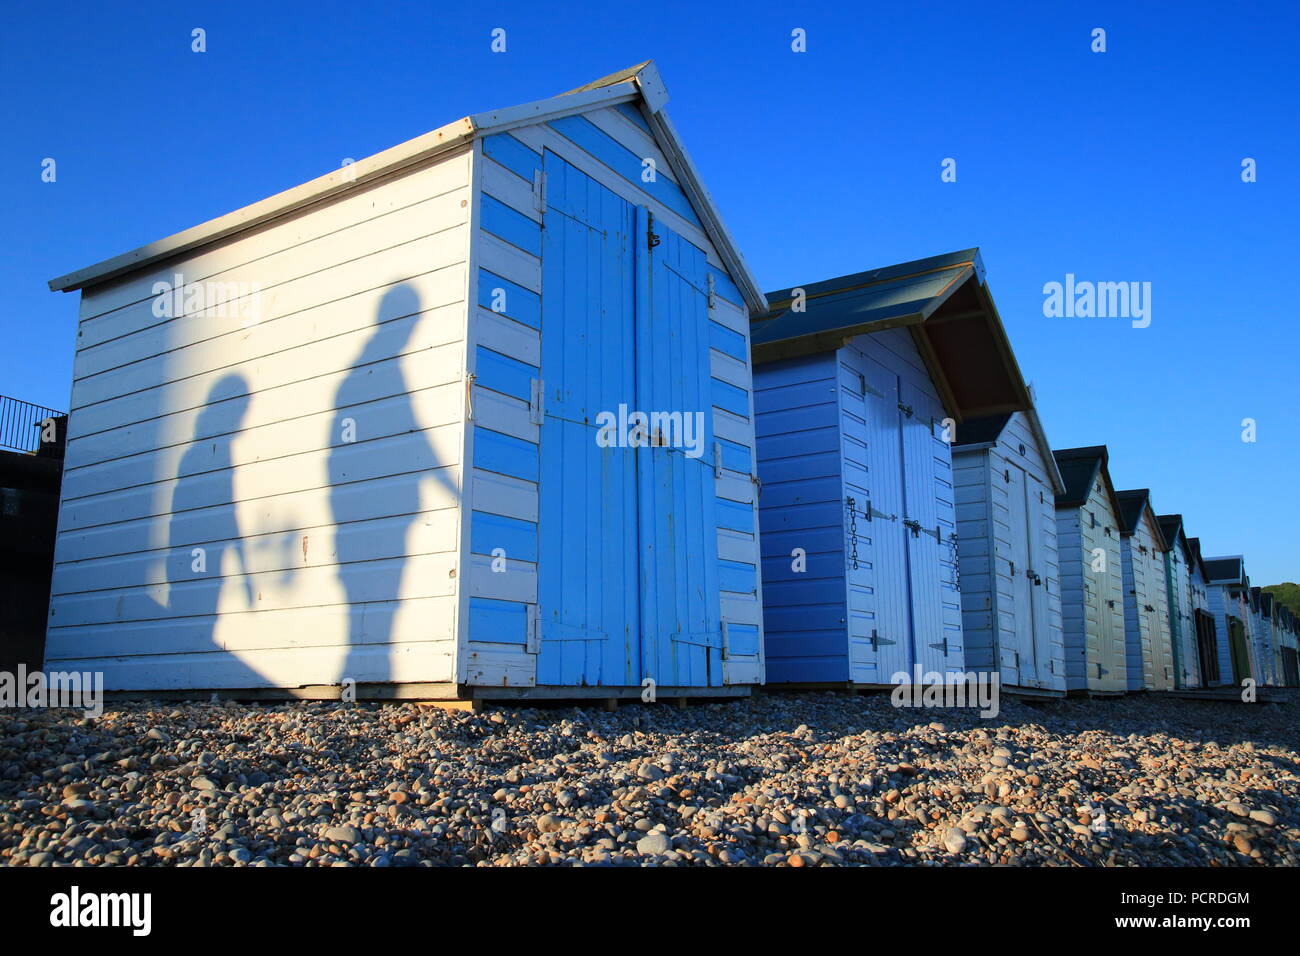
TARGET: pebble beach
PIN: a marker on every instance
(798, 780)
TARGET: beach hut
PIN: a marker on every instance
(1007, 482)
(1207, 641)
(1178, 561)
(1148, 649)
(859, 384)
(1265, 635)
(1290, 647)
(470, 417)
(1229, 590)
(1092, 592)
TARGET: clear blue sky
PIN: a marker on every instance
(1116, 166)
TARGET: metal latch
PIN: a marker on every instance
(905, 409)
(534, 644)
(536, 402)
(651, 238)
(539, 190)
(917, 530)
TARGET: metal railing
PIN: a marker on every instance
(21, 425)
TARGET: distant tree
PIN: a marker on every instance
(1287, 593)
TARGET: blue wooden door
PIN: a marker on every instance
(627, 576)
(928, 504)
(588, 514)
(890, 632)
(681, 634)
(1017, 647)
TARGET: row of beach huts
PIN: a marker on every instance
(501, 412)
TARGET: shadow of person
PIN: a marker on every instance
(373, 588)
(203, 526)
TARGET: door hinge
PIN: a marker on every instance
(539, 190)
(534, 644)
(758, 484)
(651, 237)
(537, 402)
(872, 513)
(942, 646)
(713, 293)
(1006, 476)
(717, 459)
(877, 640)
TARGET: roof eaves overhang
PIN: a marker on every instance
(944, 338)
(1104, 472)
(1156, 531)
(1237, 579)
(1180, 536)
(1097, 462)
(830, 339)
(941, 326)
